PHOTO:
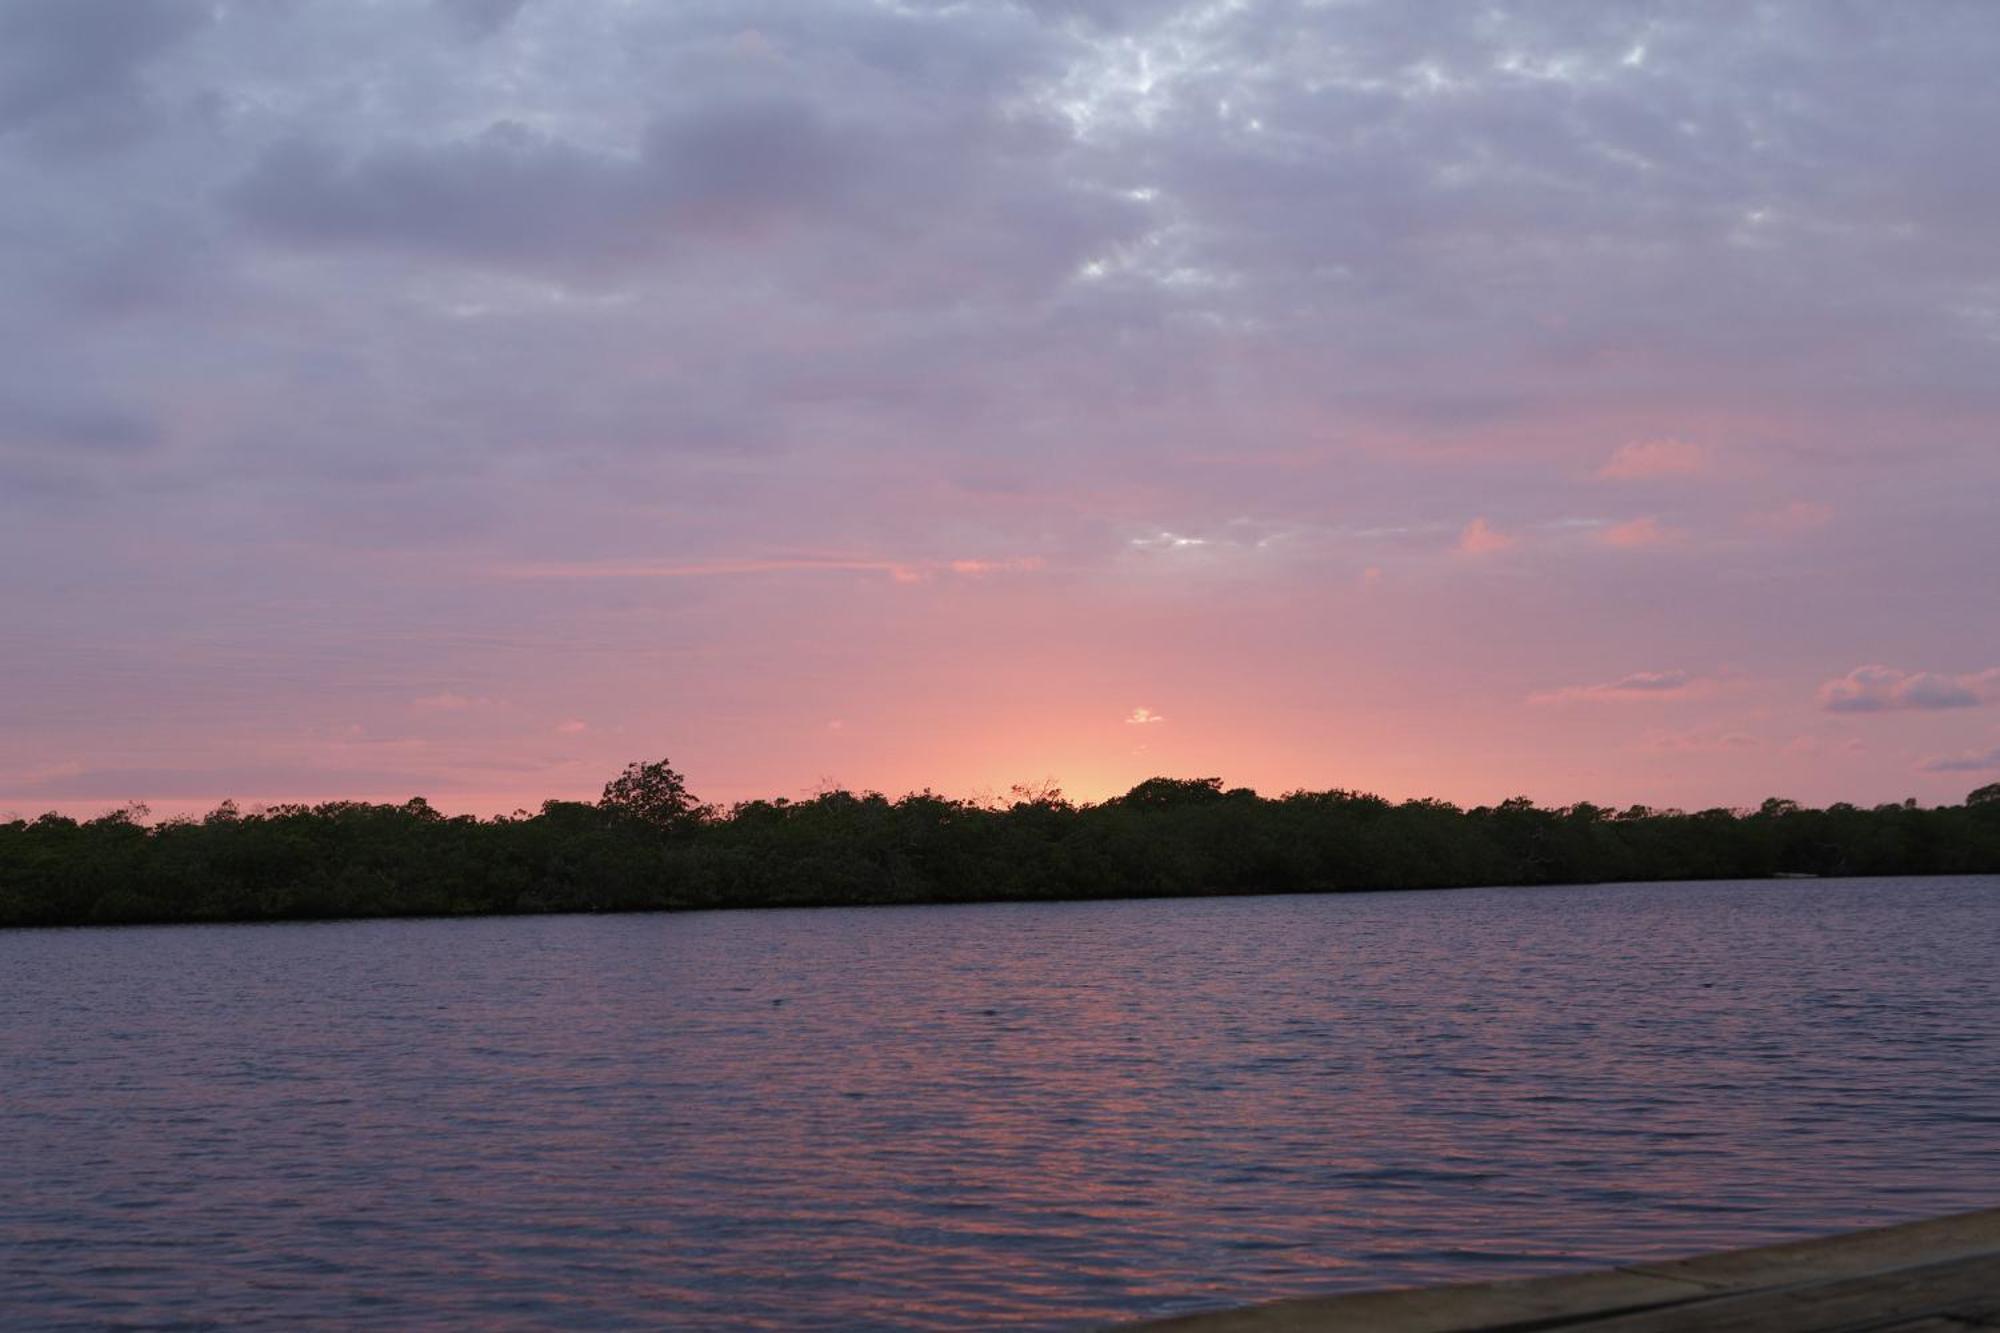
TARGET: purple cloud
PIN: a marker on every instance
(1640, 685)
(1970, 762)
(1878, 689)
(481, 18)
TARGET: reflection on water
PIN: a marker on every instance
(1051, 1115)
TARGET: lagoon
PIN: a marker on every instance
(1048, 1115)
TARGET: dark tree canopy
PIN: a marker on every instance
(1162, 793)
(649, 844)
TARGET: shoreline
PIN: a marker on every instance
(1798, 881)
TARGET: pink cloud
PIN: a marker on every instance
(901, 571)
(974, 568)
(1636, 533)
(1881, 689)
(1646, 460)
(1482, 538)
(1142, 717)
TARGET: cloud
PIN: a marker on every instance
(1878, 689)
(1637, 532)
(1480, 538)
(1701, 741)
(73, 70)
(507, 193)
(1639, 686)
(974, 568)
(1987, 761)
(70, 425)
(572, 727)
(270, 782)
(1650, 683)
(481, 18)
(1789, 520)
(448, 702)
(902, 200)
(1652, 459)
(1142, 717)
(1168, 541)
(901, 571)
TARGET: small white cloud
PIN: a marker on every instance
(1142, 717)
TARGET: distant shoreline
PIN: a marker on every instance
(515, 914)
(649, 846)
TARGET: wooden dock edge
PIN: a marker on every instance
(1879, 1277)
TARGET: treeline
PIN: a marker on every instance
(649, 845)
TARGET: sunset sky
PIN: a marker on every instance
(465, 397)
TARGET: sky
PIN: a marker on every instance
(1587, 401)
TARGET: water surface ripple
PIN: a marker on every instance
(1042, 1115)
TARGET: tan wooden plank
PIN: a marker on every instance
(1444, 1309)
(1871, 1301)
(1944, 1268)
(1839, 1256)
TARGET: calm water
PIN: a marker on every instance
(1052, 1115)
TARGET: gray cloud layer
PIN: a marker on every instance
(1416, 220)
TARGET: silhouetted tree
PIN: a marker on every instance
(653, 794)
(1043, 795)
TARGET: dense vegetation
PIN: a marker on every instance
(649, 844)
